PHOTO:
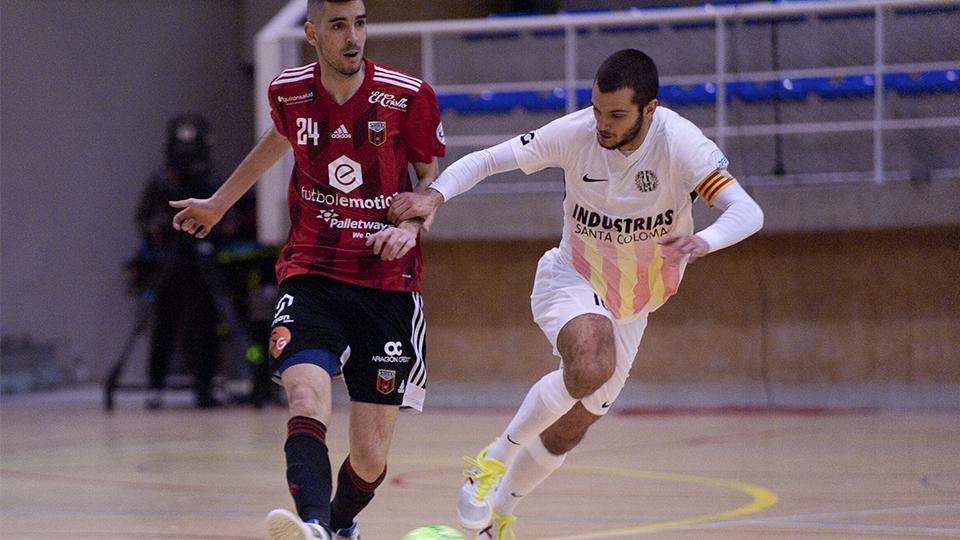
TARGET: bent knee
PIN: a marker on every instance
(589, 354)
(368, 466)
(586, 375)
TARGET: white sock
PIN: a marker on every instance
(544, 404)
(532, 466)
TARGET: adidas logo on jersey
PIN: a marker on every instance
(341, 133)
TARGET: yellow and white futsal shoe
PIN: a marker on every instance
(285, 525)
(499, 528)
(483, 475)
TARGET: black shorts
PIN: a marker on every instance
(378, 335)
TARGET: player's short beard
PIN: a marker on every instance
(627, 138)
(338, 69)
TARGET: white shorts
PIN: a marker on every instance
(560, 293)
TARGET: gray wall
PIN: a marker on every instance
(87, 88)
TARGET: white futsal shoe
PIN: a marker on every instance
(473, 504)
(499, 528)
(285, 525)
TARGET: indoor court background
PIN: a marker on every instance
(802, 384)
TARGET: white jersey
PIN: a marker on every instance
(618, 206)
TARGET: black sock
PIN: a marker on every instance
(353, 495)
(308, 468)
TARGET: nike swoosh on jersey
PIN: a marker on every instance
(588, 179)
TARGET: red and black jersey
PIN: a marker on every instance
(350, 161)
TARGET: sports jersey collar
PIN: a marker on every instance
(325, 96)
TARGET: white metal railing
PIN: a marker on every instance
(278, 46)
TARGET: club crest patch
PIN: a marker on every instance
(646, 181)
(377, 132)
(386, 380)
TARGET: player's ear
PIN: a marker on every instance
(650, 107)
(310, 30)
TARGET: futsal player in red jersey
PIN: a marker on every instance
(349, 297)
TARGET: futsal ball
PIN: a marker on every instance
(434, 532)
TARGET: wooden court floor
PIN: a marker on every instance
(77, 472)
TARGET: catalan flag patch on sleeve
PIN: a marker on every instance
(713, 184)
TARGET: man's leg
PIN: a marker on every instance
(202, 347)
(165, 322)
(371, 430)
(586, 344)
(308, 464)
(542, 456)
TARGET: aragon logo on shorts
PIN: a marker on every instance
(279, 339)
(386, 380)
(393, 348)
(392, 354)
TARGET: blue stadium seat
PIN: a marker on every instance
(701, 93)
(933, 10)
(846, 16)
(752, 91)
(488, 102)
(786, 19)
(851, 86)
(696, 25)
(673, 95)
(557, 32)
(584, 97)
(454, 102)
(946, 80)
(794, 89)
(554, 100)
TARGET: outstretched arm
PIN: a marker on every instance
(198, 216)
(741, 217)
(459, 177)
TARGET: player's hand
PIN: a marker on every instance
(678, 245)
(197, 217)
(406, 206)
(393, 242)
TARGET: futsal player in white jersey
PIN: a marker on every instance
(632, 170)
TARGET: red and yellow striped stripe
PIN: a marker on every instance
(713, 184)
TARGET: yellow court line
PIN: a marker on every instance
(762, 499)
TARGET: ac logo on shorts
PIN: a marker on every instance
(393, 348)
(386, 380)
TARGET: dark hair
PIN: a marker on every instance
(630, 68)
(314, 5)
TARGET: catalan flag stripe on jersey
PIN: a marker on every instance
(712, 185)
